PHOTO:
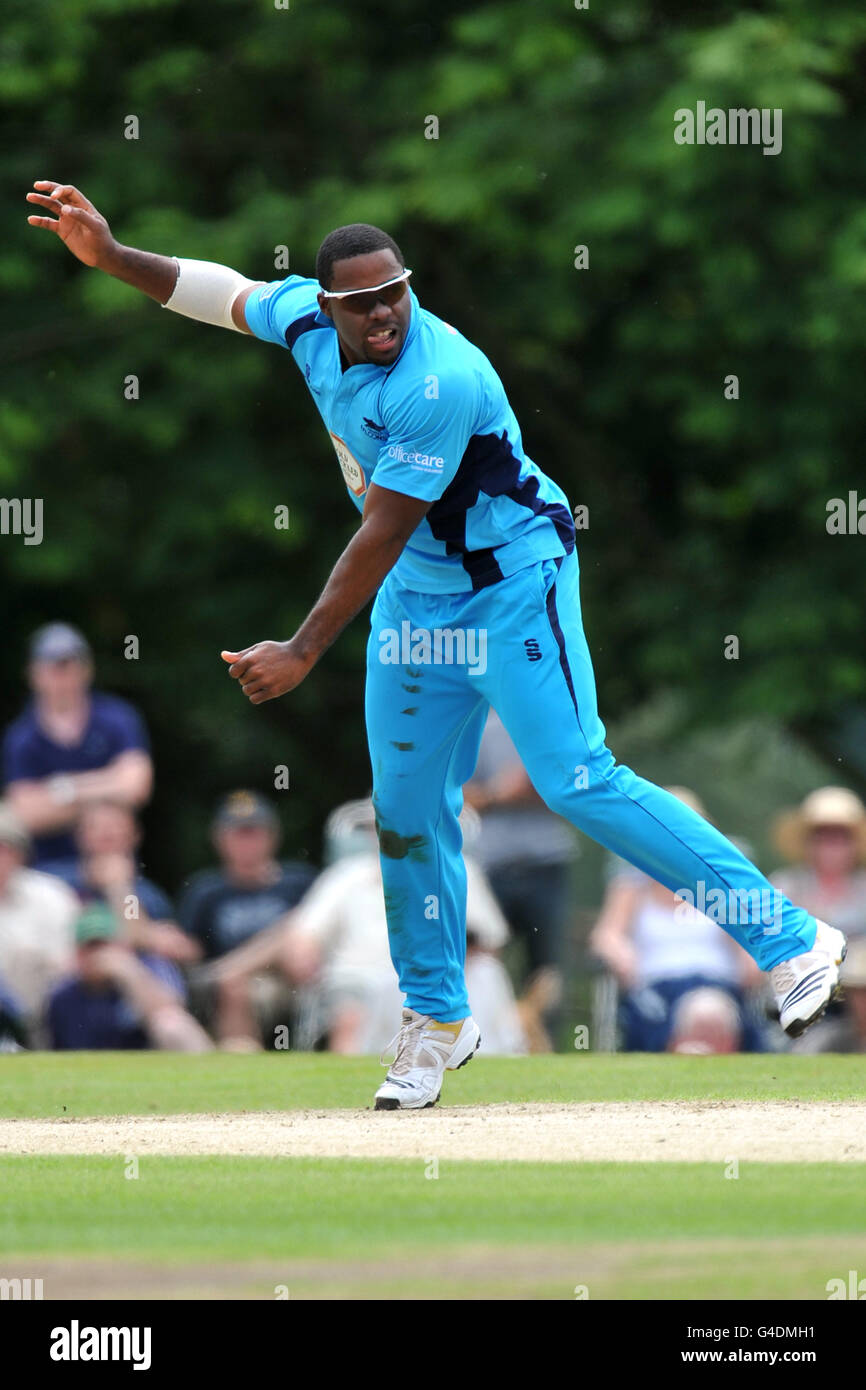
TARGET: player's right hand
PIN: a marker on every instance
(76, 221)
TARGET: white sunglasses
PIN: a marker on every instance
(368, 289)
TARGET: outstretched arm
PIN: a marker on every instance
(269, 669)
(200, 290)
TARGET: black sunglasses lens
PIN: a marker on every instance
(366, 303)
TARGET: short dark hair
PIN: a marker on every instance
(356, 239)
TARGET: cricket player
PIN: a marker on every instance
(469, 550)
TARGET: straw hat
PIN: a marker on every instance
(828, 806)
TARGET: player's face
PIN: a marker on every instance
(371, 328)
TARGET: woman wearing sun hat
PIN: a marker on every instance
(824, 842)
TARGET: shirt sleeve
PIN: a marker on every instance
(155, 902)
(166, 972)
(427, 435)
(621, 871)
(128, 728)
(16, 764)
(194, 911)
(274, 312)
(319, 911)
(484, 917)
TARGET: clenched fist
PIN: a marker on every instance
(267, 670)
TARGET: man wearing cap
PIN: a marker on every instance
(118, 1000)
(36, 916)
(249, 891)
(71, 745)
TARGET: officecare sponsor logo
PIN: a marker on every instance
(430, 463)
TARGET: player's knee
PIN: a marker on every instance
(570, 792)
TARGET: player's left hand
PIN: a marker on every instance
(267, 670)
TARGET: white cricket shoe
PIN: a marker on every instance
(425, 1051)
(805, 984)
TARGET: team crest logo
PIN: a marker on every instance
(349, 466)
(374, 429)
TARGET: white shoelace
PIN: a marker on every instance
(409, 1035)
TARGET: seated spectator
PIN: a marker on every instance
(674, 966)
(336, 944)
(824, 841)
(849, 1030)
(226, 907)
(37, 913)
(107, 836)
(526, 852)
(13, 1032)
(119, 1000)
(705, 1022)
(72, 745)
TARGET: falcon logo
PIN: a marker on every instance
(377, 431)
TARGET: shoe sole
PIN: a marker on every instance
(798, 1027)
(391, 1103)
(467, 1058)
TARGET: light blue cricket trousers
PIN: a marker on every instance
(434, 664)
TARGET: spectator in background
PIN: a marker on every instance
(13, 1032)
(107, 836)
(335, 943)
(117, 1000)
(705, 1022)
(849, 1033)
(71, 745)
(527, 852)
(684, 981)
(824, 840)
(224, 908)
(37, 913)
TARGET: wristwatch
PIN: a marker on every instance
(62, 788)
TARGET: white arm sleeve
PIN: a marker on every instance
(206, 291)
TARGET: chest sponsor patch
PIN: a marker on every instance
(349, 466)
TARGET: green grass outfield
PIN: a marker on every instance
(53, 1085)
(227, 1227)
